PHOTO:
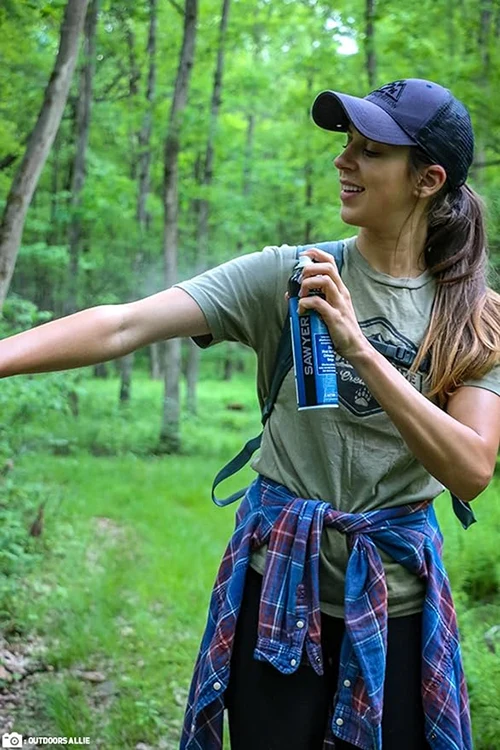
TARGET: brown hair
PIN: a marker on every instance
(463, 336)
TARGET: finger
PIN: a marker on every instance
(317, 268)
(323, 260)
(316, 303)
(328, 269)
(325, 283)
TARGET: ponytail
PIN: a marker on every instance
(463, 336)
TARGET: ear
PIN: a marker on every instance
(430, 181)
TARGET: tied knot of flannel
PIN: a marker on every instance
(290, 599)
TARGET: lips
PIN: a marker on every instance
(350, 190)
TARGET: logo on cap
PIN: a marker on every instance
(391, 91)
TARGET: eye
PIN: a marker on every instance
(370, 154)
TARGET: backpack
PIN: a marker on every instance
(284, 362)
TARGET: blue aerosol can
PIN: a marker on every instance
(313, 351)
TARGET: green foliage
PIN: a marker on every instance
(473, 566)
(278, 56)
(66, 707)
(19, 552)
(23, 398)
(483, 672)
(19, 314)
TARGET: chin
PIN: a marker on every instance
(349, 217)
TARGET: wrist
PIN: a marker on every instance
(361, 353)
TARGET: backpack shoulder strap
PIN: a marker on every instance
(334, 248)
(284, 358)
(282, 365)
(237, 463)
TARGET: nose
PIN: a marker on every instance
(345, 159)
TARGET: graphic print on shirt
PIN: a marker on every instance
(353, 392)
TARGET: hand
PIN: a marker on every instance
(336, 309)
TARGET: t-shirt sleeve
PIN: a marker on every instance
(490, 381)
(242, 297)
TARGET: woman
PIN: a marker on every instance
(331, 622)
(413, 277)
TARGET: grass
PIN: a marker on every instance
(129, 552)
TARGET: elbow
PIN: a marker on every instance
(476, 485)
(483, 484)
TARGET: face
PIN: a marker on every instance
(377, 191)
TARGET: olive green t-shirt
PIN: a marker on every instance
(352, 456)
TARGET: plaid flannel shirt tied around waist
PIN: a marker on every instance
(289, 630)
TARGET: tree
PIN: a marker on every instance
(203, 206)
(142, 170)
(82, 127)
(39, 142)
(169, 435)
(371, 60)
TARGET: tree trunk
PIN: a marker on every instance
(53, 231)
(140, 165)
(39, 142)
(157, 361)
(83, 110)
(247, 174)
(371, 60)
(169, 435)
(228, 366)
(483, 81)
(192, 375)
(144, 156)
(193, 363)
(207, 178)
(127, 363)
(101, 370)
(233, 361)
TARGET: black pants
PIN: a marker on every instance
(271, 711)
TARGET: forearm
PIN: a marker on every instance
(452, 452)
(85, 338)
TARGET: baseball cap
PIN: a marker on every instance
(409, 112)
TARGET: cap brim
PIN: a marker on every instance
(334, 111)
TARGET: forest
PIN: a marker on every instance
(142, 143)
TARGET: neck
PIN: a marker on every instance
(398, 254)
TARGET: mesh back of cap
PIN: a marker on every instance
(447, 137)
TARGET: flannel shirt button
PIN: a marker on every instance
(300, 624)
(347, 683)
(217, 686)
(339, 722)
(293, 662)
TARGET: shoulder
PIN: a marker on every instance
(490, 381)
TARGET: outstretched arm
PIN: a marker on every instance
(101, 333)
